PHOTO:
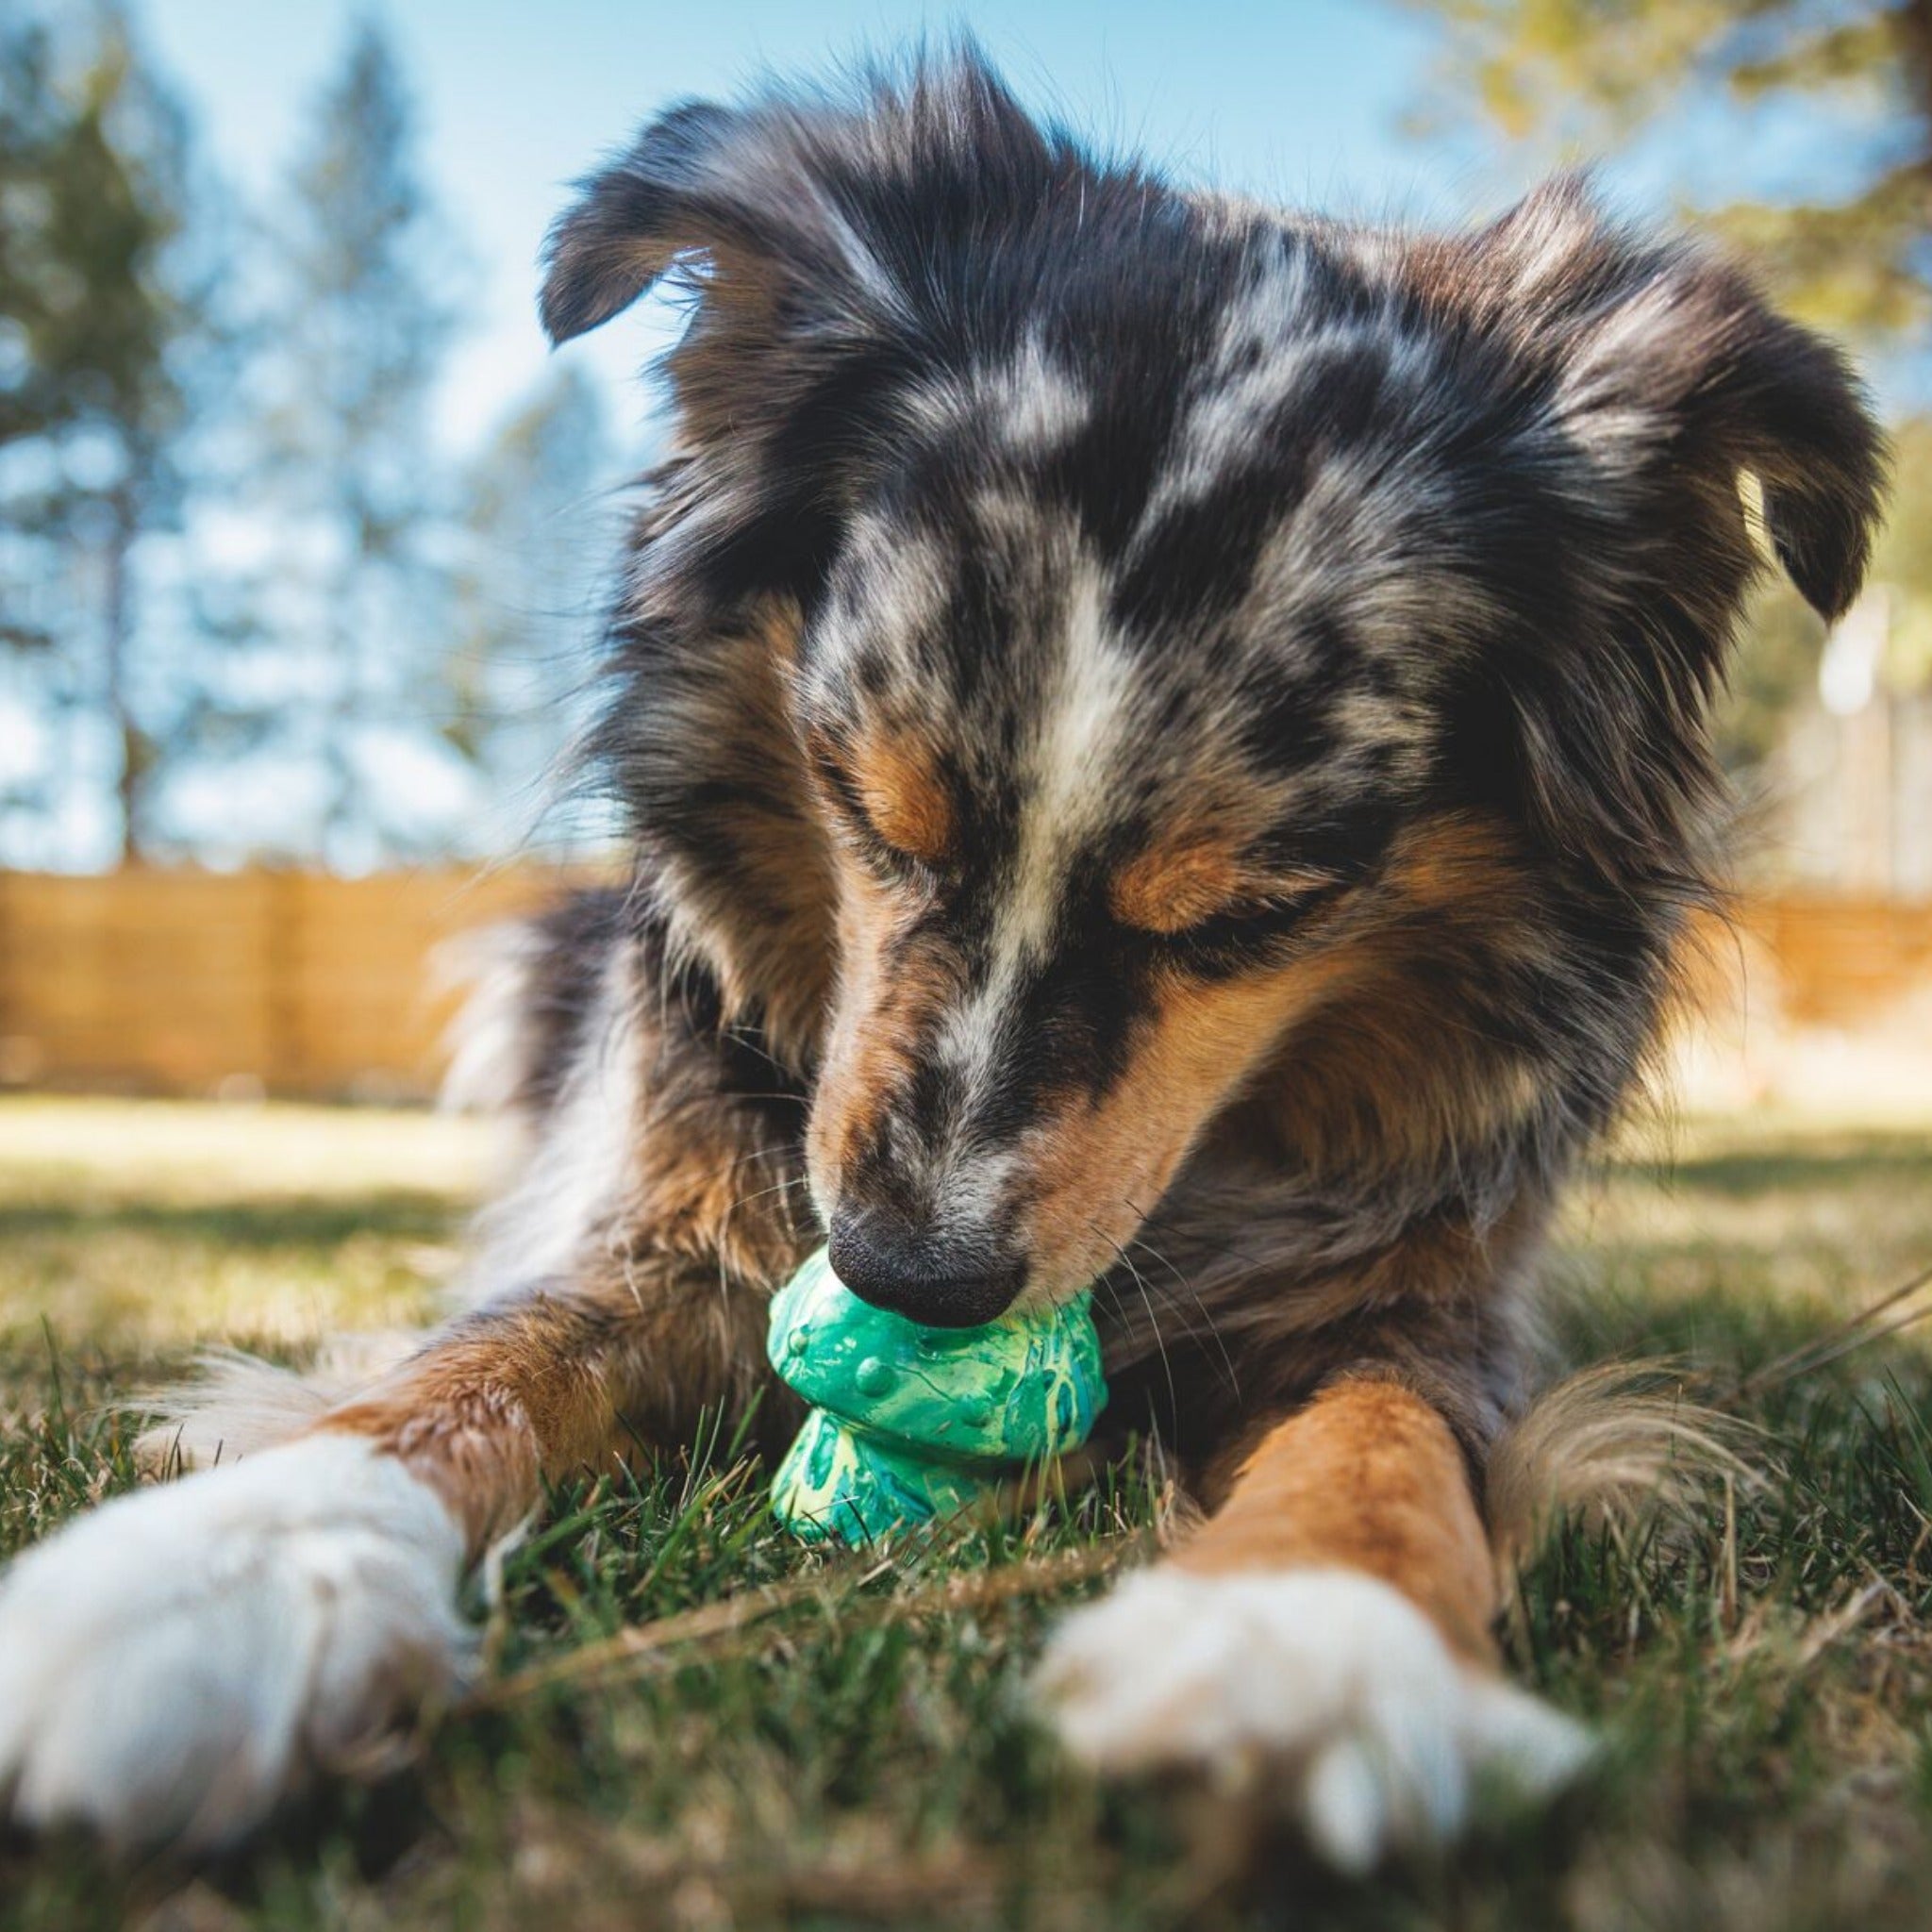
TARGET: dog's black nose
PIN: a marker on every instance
(943, 1283)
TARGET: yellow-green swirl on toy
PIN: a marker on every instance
(909, 1422)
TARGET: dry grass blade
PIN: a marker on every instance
(711, 1626)
(1824, 1633)
(1858, 1330)
(645, 1642)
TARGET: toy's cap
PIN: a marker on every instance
(1019, 1389)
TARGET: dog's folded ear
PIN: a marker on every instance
(730, 193)
(631, 220)
(1652, 383)
(1673, 371)
(828, 242)
(1801, 424)
(824, 212)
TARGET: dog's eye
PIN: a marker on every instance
(1251, 917)
(1200, 890)
(889, 860)
(896, 820)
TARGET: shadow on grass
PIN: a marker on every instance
(1816, 1165)
(292, 1221)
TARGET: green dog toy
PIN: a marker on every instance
(908, 1423)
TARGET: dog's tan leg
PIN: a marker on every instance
(1327, 1627)
(1369, 1478)
(530, 1389)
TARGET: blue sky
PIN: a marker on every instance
(1297, 100)
(1300, 100)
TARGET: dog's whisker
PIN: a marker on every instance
(1187, 1288)
(1105, 1285)
(751, 1041)
(785, 1188)
(1174, 1401)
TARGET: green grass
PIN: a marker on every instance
(823, 1743)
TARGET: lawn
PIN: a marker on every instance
(690, 1722)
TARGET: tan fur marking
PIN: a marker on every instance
(545, 1387)
(1465, 861)
(1371, 1088)
(713, 1191)
(1168, 888)
(1198, 1043)
(880, 1012)
(1340, 1075)
(480, 1416)
(906, 802)
(1366, 1477)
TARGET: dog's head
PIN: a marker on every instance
(1076, 610)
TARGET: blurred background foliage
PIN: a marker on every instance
(252, 609)
(1838, 92)
(236, 568)
(1798, 131)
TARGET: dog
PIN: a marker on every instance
(1163, 743)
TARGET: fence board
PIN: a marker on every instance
(190, 982)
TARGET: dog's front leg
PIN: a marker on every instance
(1330, 1624)
(175, 1662)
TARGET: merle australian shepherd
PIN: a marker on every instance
(1147, 723)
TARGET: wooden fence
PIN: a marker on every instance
(287, 982)
(1839, 960)
(191, 982)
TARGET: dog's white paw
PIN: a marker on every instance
(178, 1659)
(1328, 1677)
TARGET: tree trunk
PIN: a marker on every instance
(117, 625)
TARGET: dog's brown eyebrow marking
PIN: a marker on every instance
(904, 798)
(1168, 887)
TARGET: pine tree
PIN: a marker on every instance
(1846, 92)
(359, 597)
(98, 325)
(1852, 247)
(532, 550)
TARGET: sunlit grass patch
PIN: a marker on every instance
(145, 1226)
(688, 1720)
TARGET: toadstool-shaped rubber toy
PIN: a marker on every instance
(909, 1422)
